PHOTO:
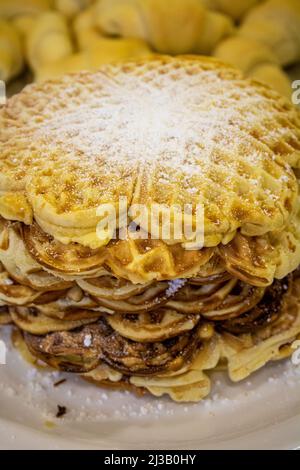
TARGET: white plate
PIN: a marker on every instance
(261, 413)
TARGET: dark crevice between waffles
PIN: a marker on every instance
(69, 351)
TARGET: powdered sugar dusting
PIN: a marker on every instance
(175, 123)
(188, 129)
(175, 286)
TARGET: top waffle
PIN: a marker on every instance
(163, 130)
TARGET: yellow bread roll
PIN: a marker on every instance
(72, 63)
(215, 28)
(173, 29)
(70, 8)
(244, 53)
(11, 57)
(255, 60)
(24, 24)
(85, 29)
(104, 51)
(49, 40)
(276, 24)
(13, 8)
(274, 76)
(234, 8)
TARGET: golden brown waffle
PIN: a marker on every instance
(150, 314)
(37, 260)
(239, 354)
(165, 130)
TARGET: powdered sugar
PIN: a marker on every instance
(87, 342)
(177, 130)
(175, 286)
(175, 123)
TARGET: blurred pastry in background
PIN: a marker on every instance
(185, 27)
(234, 8)
(70, 8)
(85, 29)
(48, 41)
(255, 60)
(53, 37)
(276, 24)
(11, 57)
(102, 52)
(12, 8)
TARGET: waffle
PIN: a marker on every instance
(238, 354)
(153, 314)
(220, 140)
